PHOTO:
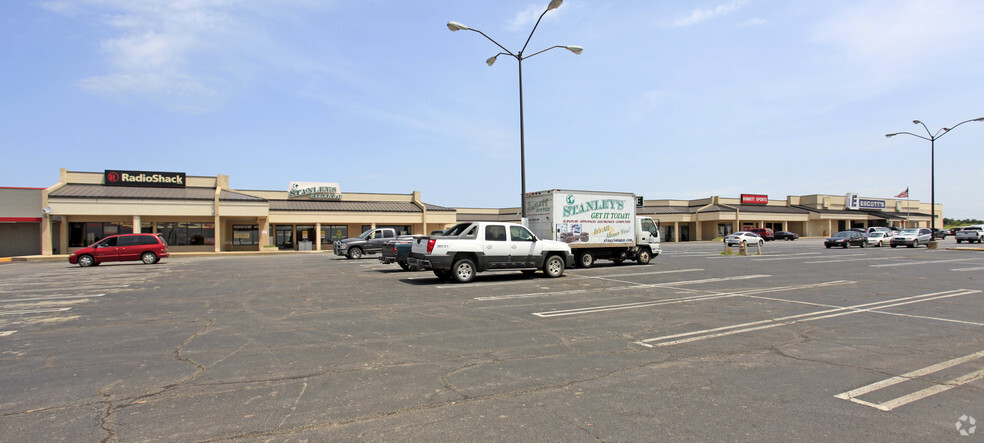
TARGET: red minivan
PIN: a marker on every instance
(765, 233)
(148, 248)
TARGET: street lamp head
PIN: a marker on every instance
(575, 49)
(554, 4)
(491, 60)
(455, 26)
(916, 122)
(891, 135)
(978, 119)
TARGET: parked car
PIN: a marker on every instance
(148, 248)
(786, 235)
(940, 233)
(912, 237)
(953, 231)
(878, 238)
(765, 233)
(369, 242)
(877, 229)
(743, 238)
(845, 239)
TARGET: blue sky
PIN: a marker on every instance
(670, 99)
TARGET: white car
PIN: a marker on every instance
(878, 238)
(743, 238)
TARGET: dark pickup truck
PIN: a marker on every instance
(397, 251)
(369, 242)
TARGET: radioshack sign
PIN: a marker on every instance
(144, 178)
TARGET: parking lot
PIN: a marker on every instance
(801, 342)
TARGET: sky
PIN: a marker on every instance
(669, 100)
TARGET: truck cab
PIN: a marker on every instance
(369, 242)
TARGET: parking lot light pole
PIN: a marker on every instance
(932, 166)
(455, 26)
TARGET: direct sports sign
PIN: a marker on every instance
(151, 179)
(754, 199)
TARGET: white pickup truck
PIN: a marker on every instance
(970, 234)
(469, 248)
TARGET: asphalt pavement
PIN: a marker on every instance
(799, 343)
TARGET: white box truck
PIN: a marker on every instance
(596, 225)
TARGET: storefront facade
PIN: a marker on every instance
(204, 214)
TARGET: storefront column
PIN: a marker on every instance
(46, 234)
(63, 236)
(676, 231)
(219, 240)
(317, 236)
(136, 224)
(264, 224)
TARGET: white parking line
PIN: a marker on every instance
(785, 256)
(979, 268)
(621, 288)
(52, 298)
(74, 288)
(33, 311)
(842, 259)
(923, 262)
(745, 293)
(918, 395)
(675, 339)
(6, 333)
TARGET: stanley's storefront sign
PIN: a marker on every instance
(144, 178)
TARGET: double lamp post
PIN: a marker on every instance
(932, 159)
(455, 26)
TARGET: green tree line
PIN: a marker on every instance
(964, 222)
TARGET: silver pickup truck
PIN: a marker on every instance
(970, 234)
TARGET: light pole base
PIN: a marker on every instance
(933, 244)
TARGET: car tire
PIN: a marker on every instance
(761, 244)
(463, 270)
(86, 260)
(404, 265)
(644, 257)
(894, 246)
(148, 258)
(862, 244)
(958, 240)
(585, 259)
(355, 253)
(847, 244)
(554, 266)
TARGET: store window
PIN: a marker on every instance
(187, 234)
(85, 234)
(330, 234)
(400, 229)
(244, 235)
(725, 229)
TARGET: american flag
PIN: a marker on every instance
(903, 194)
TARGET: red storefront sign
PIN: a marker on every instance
(754, 199)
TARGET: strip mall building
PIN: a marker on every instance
(205, 214)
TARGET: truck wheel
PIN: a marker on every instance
(644, 257)
(958, 240)
(585, 260)
(463, 270)
(554, 267)
(355, 253)
(404, 265)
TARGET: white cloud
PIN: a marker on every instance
(703, 14)
(893, 32)
(158, 48)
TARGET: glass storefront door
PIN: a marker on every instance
(284, 236)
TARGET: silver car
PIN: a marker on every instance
(743, 238)
(912, 237)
